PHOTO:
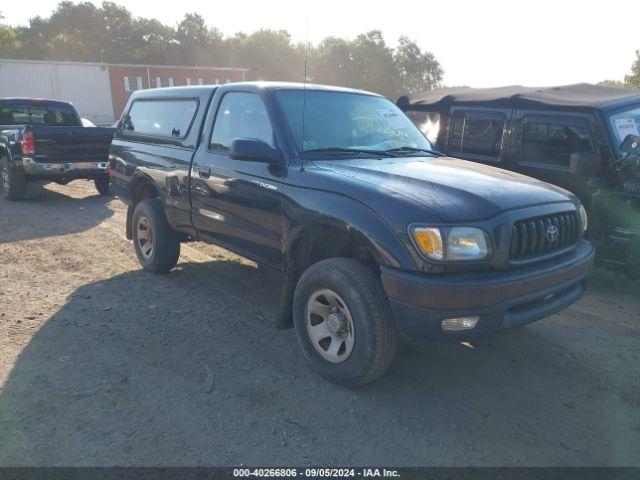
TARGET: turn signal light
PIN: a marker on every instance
(429, 241)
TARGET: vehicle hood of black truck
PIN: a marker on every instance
(456, 190)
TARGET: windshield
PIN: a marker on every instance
(337, 122)
(37, 114)
(624, 123)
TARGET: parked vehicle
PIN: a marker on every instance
(338, 190)
(45, 140)
(569, 136)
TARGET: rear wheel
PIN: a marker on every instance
(343, 322)
(12, 183)
(156, 244)
(102, 185)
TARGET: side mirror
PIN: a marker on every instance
(254, 150)
(585, 164)
(631, 144)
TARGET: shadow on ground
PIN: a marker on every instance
(46, 213)
(187, 369)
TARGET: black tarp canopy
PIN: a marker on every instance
(578, 96)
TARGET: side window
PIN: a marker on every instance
(240, 115)
(171, 118)
(477, 133)
(549, 142)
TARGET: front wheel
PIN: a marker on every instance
(14, 185)
(102, 185)
(343, 322)
(156, 244)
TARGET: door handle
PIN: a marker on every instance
(204, 173)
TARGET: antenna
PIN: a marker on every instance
(304, 89)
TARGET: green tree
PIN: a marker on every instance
(332, 63)
(374, 64)
(196, 44)
(150, 42)
(9, 43)
(612, 84)
(366, 63)
(633, 79)
(269, 54)
(418, 71)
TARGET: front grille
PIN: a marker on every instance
(537, 236)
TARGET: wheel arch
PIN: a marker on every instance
(318, 241)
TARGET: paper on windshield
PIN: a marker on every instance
(395, 118)
(626, 126)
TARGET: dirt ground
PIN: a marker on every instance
(104, 364)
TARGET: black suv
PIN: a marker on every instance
(337, 189)
(571, 136)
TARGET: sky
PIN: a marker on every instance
(481, 43)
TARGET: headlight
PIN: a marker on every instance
(465, 243)
(461, 244)
(584, 220)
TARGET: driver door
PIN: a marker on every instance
(238, 204)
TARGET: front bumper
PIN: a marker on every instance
(64, 170)
(501, 299)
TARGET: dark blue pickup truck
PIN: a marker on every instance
(337, 189)
(44, 140)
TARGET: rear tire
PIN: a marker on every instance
(102, 185)
(13, 185)
(156, 244)
(336, 298)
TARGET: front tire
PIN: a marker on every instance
(14, 185)
(156, 245)
(102, 185)
(343, 322)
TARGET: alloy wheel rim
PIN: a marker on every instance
(145, 237)
(330, 325)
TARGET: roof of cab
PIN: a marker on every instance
(581, 95)
(33, 100)
(200, 89)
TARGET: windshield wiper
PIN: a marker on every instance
(409, 149)
(340, 151)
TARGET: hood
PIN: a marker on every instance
(456, 190)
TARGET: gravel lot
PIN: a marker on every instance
(104, 364)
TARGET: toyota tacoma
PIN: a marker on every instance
(374, 233)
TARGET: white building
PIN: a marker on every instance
(85, 85)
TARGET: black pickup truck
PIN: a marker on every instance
(45, 140)
(373, 232)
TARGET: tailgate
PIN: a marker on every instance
(72, 144)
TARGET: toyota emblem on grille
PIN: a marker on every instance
(552, 233)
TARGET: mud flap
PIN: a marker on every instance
(129, 233)
(284, 315)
